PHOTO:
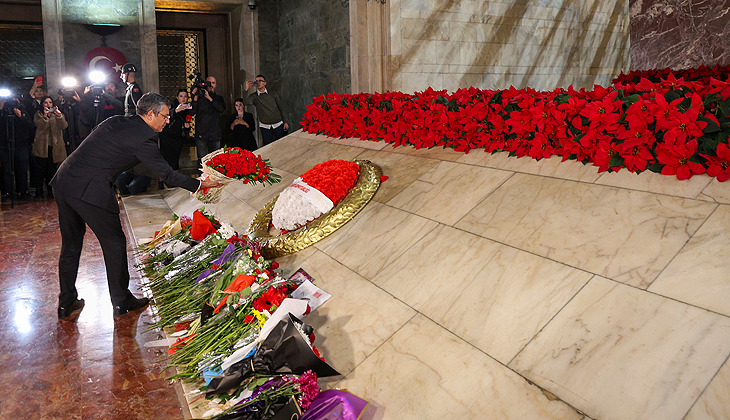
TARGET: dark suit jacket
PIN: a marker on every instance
(116, 145)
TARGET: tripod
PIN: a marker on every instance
(7, 118)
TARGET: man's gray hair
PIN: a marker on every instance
(151, 101)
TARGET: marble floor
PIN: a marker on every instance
(472, 286)
(487, 287)
(93, 367)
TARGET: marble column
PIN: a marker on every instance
(369, 46)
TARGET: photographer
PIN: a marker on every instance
(15, 127)
(49, 148)
(175, 133)
(69, 103)
(98, 105)
(207, 108)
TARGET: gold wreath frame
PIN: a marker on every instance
(277, 246)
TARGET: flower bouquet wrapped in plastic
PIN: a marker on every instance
(286, 350)
(229, 164)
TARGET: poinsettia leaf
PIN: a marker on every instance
(696, 159)
(712, 127)
(562, 99)
(655, 167)
(616, 160)
(724, 107)
(672, 95)
(711, 99)
(628, 100)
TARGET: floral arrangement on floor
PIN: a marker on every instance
(233, 163)
(234, 322)
(671, 126)
(314, 193)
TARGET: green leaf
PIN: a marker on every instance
(628, 100)
(655, 167)
(724, 107)
(711, 126)
(616, 160)
(672, 95)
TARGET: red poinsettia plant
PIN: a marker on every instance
(674, 123)
(238, 163)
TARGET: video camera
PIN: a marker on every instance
(10, 103)
(198, 83)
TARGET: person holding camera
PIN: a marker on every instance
(49, 149)
(15, 129)
(174, 134)
(269, 110)
(207, 108)
(69, 103)
(242, 128)
(97, 105)
(133, 92)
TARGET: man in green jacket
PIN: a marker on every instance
(269, 110)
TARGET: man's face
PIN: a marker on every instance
(260, 83)
(111, 88)
(212, 82)
(125, 76)
(159, 121)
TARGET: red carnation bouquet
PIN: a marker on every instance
(232, 163)
(314, 193)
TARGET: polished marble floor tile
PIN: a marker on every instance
(716, 191)
(348, 337)
(700, 273)
(448, 191)
(713, 403)
(620, 353)
(656, 183)
(401, 170)
(375, 238)
(419, 374)
(90, 367)
(553, 167)
(492, 296)
(625, 235)
(440, 153)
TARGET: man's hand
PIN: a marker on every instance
(17, 113)
(286, 126)
(207, 95)
(209, 183)
(248, 84)
(76, 97)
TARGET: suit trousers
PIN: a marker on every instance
(73, 216)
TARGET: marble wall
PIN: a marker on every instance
(451, 44)
(314, 42)
(679, 34)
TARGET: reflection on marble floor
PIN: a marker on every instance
(480, 286)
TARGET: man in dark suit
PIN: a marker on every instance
(83, 187)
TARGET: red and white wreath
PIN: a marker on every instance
(314, 193)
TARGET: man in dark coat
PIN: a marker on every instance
(207, 108)
(83, 187)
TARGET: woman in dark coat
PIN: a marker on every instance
(173, 135)
(242, 126)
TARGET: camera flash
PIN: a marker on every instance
(4, 93)
(68, 82)
(97, 76)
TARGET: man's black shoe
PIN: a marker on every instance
(74, 308)
(131, 304)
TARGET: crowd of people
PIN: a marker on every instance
(38, 132)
